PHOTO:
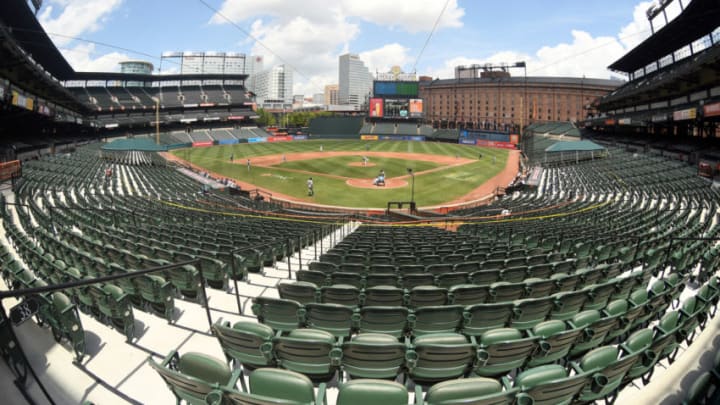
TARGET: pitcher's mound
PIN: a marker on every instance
(368, 183)
(360, 164)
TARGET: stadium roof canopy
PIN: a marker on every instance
(116, 76)
(576, 146)
(17, 15)
(31, 36)
(699, 18)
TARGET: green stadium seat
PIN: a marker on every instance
(549, 385)
(372, 391)
(311, 352)
(438, 357)
(281, 315)
(473, 390)
(503, 350)
(192, 376)
(384, 295)
(246, 343)
(606, 371)
(556, 339)
(300, 291)
(387, 320)
(373, 355)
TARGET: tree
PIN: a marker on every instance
(265, 118)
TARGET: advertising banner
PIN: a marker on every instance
(22, 101)
(712, 110)
(202, 144)
(280, 138)
(609, 121)
(495, 144)
(514, 139)
(9, 169)
(368, 137)
(300, 137)
(257, 140)
(463, 141)
(682, 115)
(376, 108)
(659, 118)
(624, 121)
(402, 138)
(416, 108)
(227, 141)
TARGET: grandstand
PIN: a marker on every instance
(144, 282)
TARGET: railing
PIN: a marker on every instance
(26, 292)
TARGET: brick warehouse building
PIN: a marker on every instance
(495, 100)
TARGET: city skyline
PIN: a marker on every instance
(568, 39)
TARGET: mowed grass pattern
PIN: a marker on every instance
(433, 188)
(340, 166)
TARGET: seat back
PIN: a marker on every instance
(334, 318)
(246, 343)
(308, 351)
(477, 319)
(300, 291)
(384, 296)
(388, 320)
(439, 357)
(342, 294)
(436, 319)
(373, 355)
(503, 350)
(427, 296)
(279, 314)
(192, 376)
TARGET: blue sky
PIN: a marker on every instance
(559, 38)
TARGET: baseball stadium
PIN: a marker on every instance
(161, 245)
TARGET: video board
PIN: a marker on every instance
(376, 108)
(395, 89)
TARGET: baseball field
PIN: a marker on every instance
(343, 171)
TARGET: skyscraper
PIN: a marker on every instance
(331, 94)
(355, 80)
(275, 83)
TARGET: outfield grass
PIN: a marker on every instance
(432, 188)
(340, 166)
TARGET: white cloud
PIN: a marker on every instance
(585, 55)
(385, 57)
(409, 15)
(76, 17)
(309, 47)
(310, 35)
(83, 58)
(636, 31)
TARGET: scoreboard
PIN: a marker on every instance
(395, 89)
(395, 99)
